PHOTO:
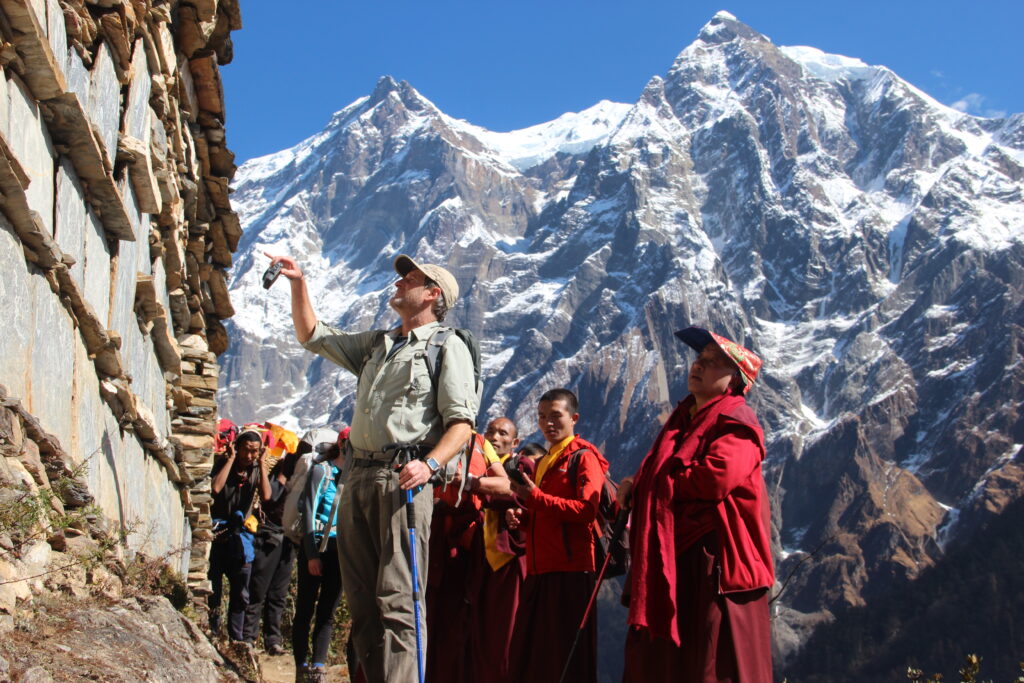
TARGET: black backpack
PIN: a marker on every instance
(605, 543)
(435, 354)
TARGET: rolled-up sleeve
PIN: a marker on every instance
(457, 399)
(347, 349)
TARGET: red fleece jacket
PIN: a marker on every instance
(560, 513)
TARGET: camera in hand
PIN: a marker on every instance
(512, 470)
(271, 274)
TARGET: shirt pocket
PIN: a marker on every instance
(418, 386)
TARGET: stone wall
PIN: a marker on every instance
(115, 237)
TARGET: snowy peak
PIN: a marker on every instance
(385, 86)
(391, 93)
(571, 133)
(724, 28)
(829, 67)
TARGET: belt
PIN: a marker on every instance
(366, 462)
(384, 458)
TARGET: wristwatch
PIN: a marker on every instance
(433, 465)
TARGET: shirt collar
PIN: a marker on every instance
(421, 332)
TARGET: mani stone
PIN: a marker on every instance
(30, 142)
(52, 366)
(71, 218)
(137, 114)
(77, 77)
(16, 288)
(105, 100)
(56, 30)
(97, 267)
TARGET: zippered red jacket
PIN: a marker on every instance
(561, 514)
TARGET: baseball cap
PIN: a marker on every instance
(444, 279)
(746, 360)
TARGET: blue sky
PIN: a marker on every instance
(510, 65)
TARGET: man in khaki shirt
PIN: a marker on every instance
(396, 402)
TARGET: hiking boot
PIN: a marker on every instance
(275, 649)
(316, 675)
(300, 673)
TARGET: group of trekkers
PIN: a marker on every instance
(473, 557)
(265, 518)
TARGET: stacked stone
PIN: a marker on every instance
(114, 176)
(195, 426)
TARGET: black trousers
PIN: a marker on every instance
(268, 588)
(319, 595)
(226, 559)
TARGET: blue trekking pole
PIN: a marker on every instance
(404, 456)
(410, 518)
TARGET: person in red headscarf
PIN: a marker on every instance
(699, 534)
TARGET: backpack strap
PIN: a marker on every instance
(574, 465)
(573, 472)
(435, 353)
(254, 481)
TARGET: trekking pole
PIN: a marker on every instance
(410, 517)
(620, 526)
(410, 520)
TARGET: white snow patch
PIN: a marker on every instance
(812, 417)
(954, 369)
(829, 67)
(572, 133)
(939, 311)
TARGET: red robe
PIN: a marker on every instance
(700, 486)
(454, 578)
(491, 639)
(560, 566)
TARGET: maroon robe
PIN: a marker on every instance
(453, 589)
(550, 609)
(494, 620)
(724, 638)
(699, 541)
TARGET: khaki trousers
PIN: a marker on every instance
(373, 549)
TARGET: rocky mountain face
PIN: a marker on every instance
(865, 240)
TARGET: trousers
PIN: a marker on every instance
(316, 599)
(268, 588)
(226, 559)
(373, 547)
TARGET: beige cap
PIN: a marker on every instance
(444, 279)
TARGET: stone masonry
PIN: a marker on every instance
(116, 233)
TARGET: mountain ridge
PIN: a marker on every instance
(867, 242)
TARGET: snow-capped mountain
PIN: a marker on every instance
(864, 239)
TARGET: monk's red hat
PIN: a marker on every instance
(745, 359)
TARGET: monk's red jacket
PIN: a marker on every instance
(728, 479)
(703, 475)
(561, 513)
